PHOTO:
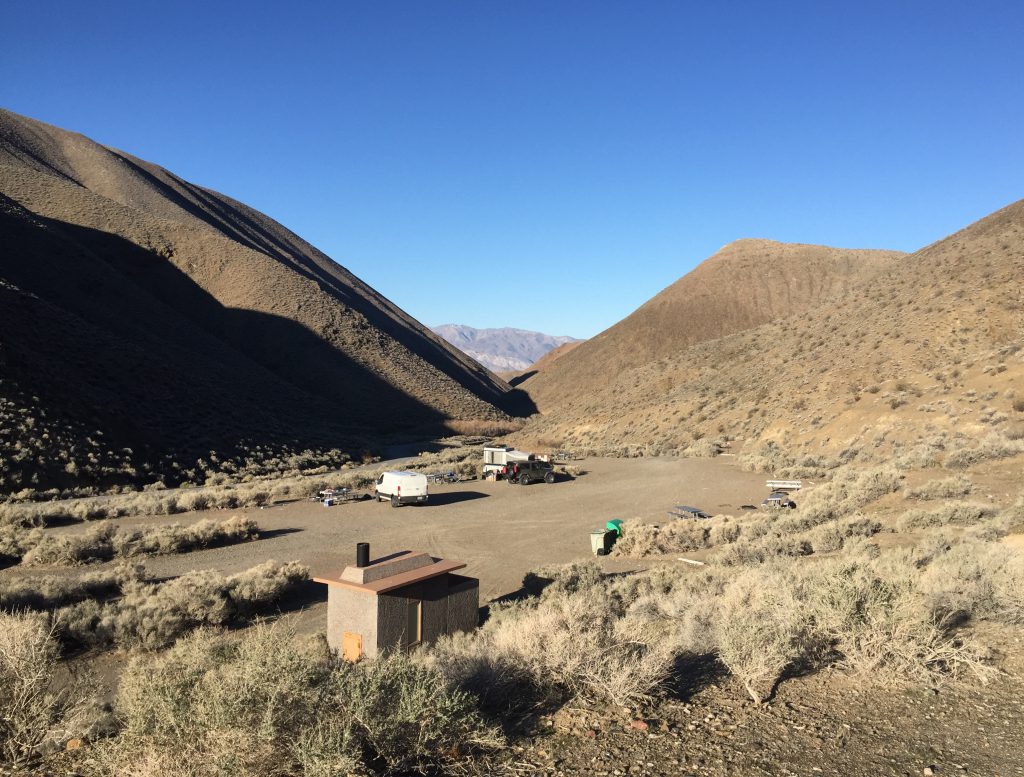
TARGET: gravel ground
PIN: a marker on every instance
(823, 724)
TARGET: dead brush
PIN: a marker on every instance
(105, 541)
(39, 703)
(590, 652)
(947, 488)
(153, 615)
(268, 703)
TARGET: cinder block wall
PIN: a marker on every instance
(353, 611)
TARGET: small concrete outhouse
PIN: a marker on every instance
(397, 601)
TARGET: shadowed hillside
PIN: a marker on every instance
(745, 284)
(925, 352)
(150, 314)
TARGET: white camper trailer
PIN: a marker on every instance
(402, 488)
(497, 457)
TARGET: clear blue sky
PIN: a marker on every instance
(548, 165)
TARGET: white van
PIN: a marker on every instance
(402, 488)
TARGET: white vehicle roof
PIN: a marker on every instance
(406, 474)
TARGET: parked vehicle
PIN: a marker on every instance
(402, 488)
(524, 472)
(778, 500)
(684, 511)
(498, 457)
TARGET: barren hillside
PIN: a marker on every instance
(745, 284)
(147, 313)
(927, 352)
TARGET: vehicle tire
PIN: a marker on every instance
(549, 478)
(395, 502)
(523, 480)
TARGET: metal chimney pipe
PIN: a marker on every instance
(362, 554)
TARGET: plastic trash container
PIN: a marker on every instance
(615, 526)
(597, 544)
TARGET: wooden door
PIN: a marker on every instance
(351, 646)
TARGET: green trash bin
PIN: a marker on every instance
(615, 526)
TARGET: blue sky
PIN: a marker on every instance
(548, 165)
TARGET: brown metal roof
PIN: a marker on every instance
(439, 567)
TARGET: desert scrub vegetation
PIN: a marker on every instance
(947, 488)
(589, 652)
(48, 592)
(121, 607)
(159, 501)
(775, 460)
(41, 703)
(817, 525)
(267, 703)
(105, 541)
(993, 446)
(956, 513)
(152, 615)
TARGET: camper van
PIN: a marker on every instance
(402, 488)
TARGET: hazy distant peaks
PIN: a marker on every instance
(501, 350)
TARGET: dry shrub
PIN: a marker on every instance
(950, 487)
(774, 460)
(702, 449)
(879, 622)
(484, 427)
(760, 629)
(268, 704)
(833, 536)
(14, 542)
(105, 541)
(976, 579)
(641, 539)
(959, 513)
(48, 592)
(153, 615)
(993, 446)
(849, 490)
(588, 651)
(39, 703)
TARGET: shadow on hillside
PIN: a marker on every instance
(521, 378)
(121, 340)
(239, 225)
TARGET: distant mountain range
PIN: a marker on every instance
(501, 350)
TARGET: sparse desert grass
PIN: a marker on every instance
(105, 542)
(773, 459)
(153, 615)
(269, 704)
(958, 513)
(484, 427)
(48, 592)
(947, 488)
(588, 653)
(993, 446)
